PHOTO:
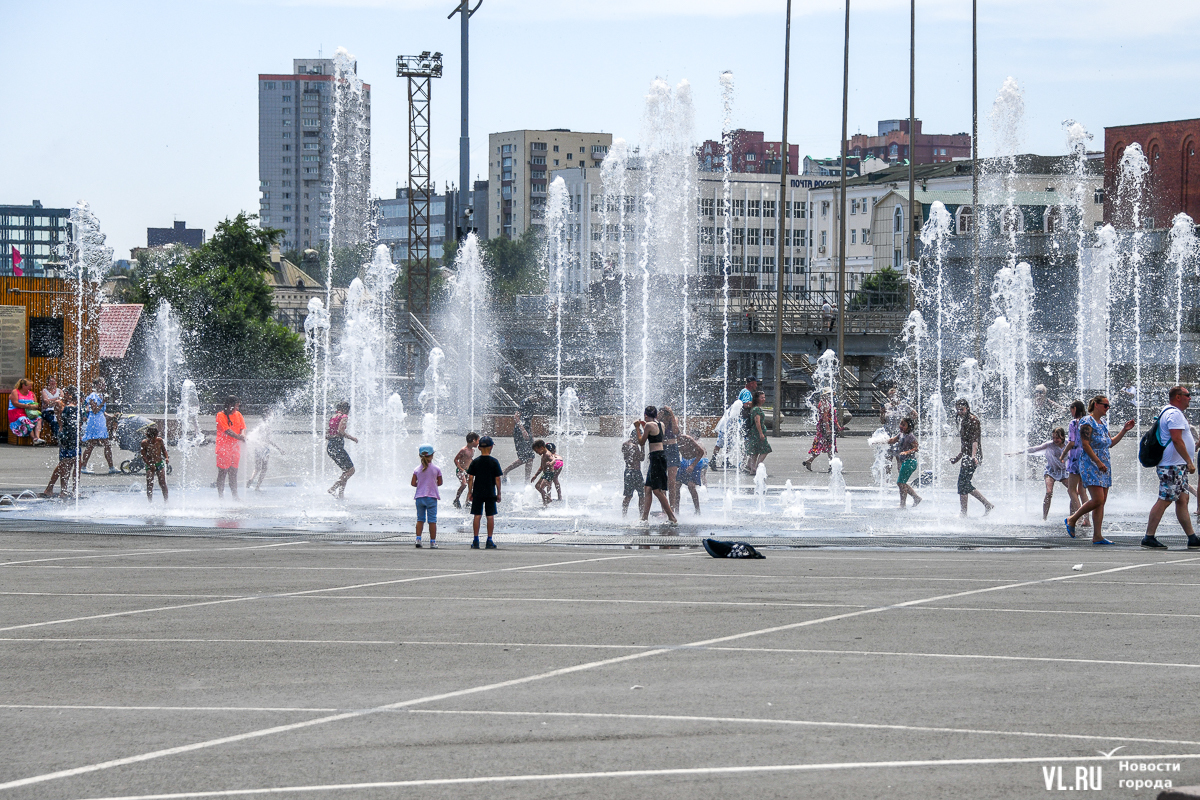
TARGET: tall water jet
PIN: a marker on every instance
(614, 174)
(91, 260)
(1131, 186)
(166, 349)
(467, 320)
(397, 430)
(1008, 119)
(1002, 362)
(433, 396)
(1077, 139)
(727, 224)
(914, 333)
(968, 384)
(1012, 296)
(556, 259)
(190, 435)
(316, 344)
(571, 433)
(363, 351)
(1182, 249)
(935, 235)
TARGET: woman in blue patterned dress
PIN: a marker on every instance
(1095, 466)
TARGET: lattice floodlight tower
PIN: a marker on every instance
(419, 70)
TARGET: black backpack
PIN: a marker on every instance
(1150, 449)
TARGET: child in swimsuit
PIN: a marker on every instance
(154, 453)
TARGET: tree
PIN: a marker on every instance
(883, 290)
(513, 265)
(224, 305)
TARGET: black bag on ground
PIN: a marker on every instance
(730, 549)
(1150, 449)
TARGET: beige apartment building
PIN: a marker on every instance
(519, 167)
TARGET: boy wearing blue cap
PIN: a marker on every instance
(483, 490)
(427, 478)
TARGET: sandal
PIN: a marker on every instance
(1070, 527)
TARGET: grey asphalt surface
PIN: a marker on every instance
(204, 667)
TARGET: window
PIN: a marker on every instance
(735, 265)
(768, 208)
(308, 122)
(1052, 219)
(1098, 197)
(754, 208)
(507, 162)
(866, 235)
(768, 264)
(823, 238)
(739, 236)
(895, 151)
(751, 263)
(581, 149)
(721, 237)
(597, 232)
(854, 236)
(824, 208)
(570, 156)
(854, 206)
(538, 160)
(707, 234)
(268, 84)
(966, 220)
(287, 98)
(287, 147)
(287, 159)
(311, 146)
(768, 237)
(707, 205)
(753, 236)
(535, 146)
(556, 149)
(287, 123)
(751, 156)
(556, 162)
(312, 158)
(287, 207)
(720, 206)
(898, 220)
(708, 264)
(1011, 220)
(739, 208)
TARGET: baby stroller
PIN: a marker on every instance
(131, 429)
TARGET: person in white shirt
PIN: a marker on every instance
(1173, 468)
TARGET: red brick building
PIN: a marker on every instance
(1173, 184)
(891, 144)
(750, 154)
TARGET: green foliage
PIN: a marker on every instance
(347, 262)
(513, 265)
(884, 290)
(224, 304)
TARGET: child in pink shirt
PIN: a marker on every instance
(427, 478)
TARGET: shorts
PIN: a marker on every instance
(524, 449)
(1172, 482)
(427, 510)
(460, 474)
(656, 477)
(65, 453)
(671, 451)
(965, 473)
(550, 473)
(336, 449)
(634, 482)
(483, 508)
(158, 466)
(907, 468)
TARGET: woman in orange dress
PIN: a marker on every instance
(230, 429)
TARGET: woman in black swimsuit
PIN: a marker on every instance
(650, 431)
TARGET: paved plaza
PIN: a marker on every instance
(139, 666)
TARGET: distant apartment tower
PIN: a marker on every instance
(891, 145)
(751, 154)
(295, 153)
(39, 234)
(519, 163)
(179, 233)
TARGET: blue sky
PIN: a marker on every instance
(149, 110)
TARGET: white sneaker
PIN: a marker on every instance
(433, 545)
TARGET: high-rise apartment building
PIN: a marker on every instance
(40, 236)
(519, 163)
(296, 161)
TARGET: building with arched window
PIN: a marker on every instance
(1173, 184)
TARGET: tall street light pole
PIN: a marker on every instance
(841, 285)
(912, 153)
(463, 217)
(779, 206)
(976, 218)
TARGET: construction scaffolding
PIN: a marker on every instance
(419, 70)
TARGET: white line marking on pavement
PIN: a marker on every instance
(646, 717)
(130, 640)
(294, 594)
(1058, 611)
(255, 734)
(1055, 660)
(149, 553)
(647, 773)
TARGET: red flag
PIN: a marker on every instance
(17, 262)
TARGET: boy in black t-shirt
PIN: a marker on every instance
(68, 440)
(483, 490)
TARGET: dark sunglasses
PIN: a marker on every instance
(1106, 405)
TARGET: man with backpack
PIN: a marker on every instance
(1170, 436)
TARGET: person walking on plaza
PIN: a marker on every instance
(154, 455)
(426, 479)
(970, 433)
(95, 430)
(67, 411)
(757, 446)
(260, 437)
(231, 429)
(483, 491)
(671, 434)
(1173, 468)
(335, 446)
(650, 432)
(1095, 466)
(1056, 468)
(522, 439)
(891, 412)
(905, 445)
(1071, 456)
(747, 392)
(462, 460)
(829, 425)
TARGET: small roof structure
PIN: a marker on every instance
(118, 321)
